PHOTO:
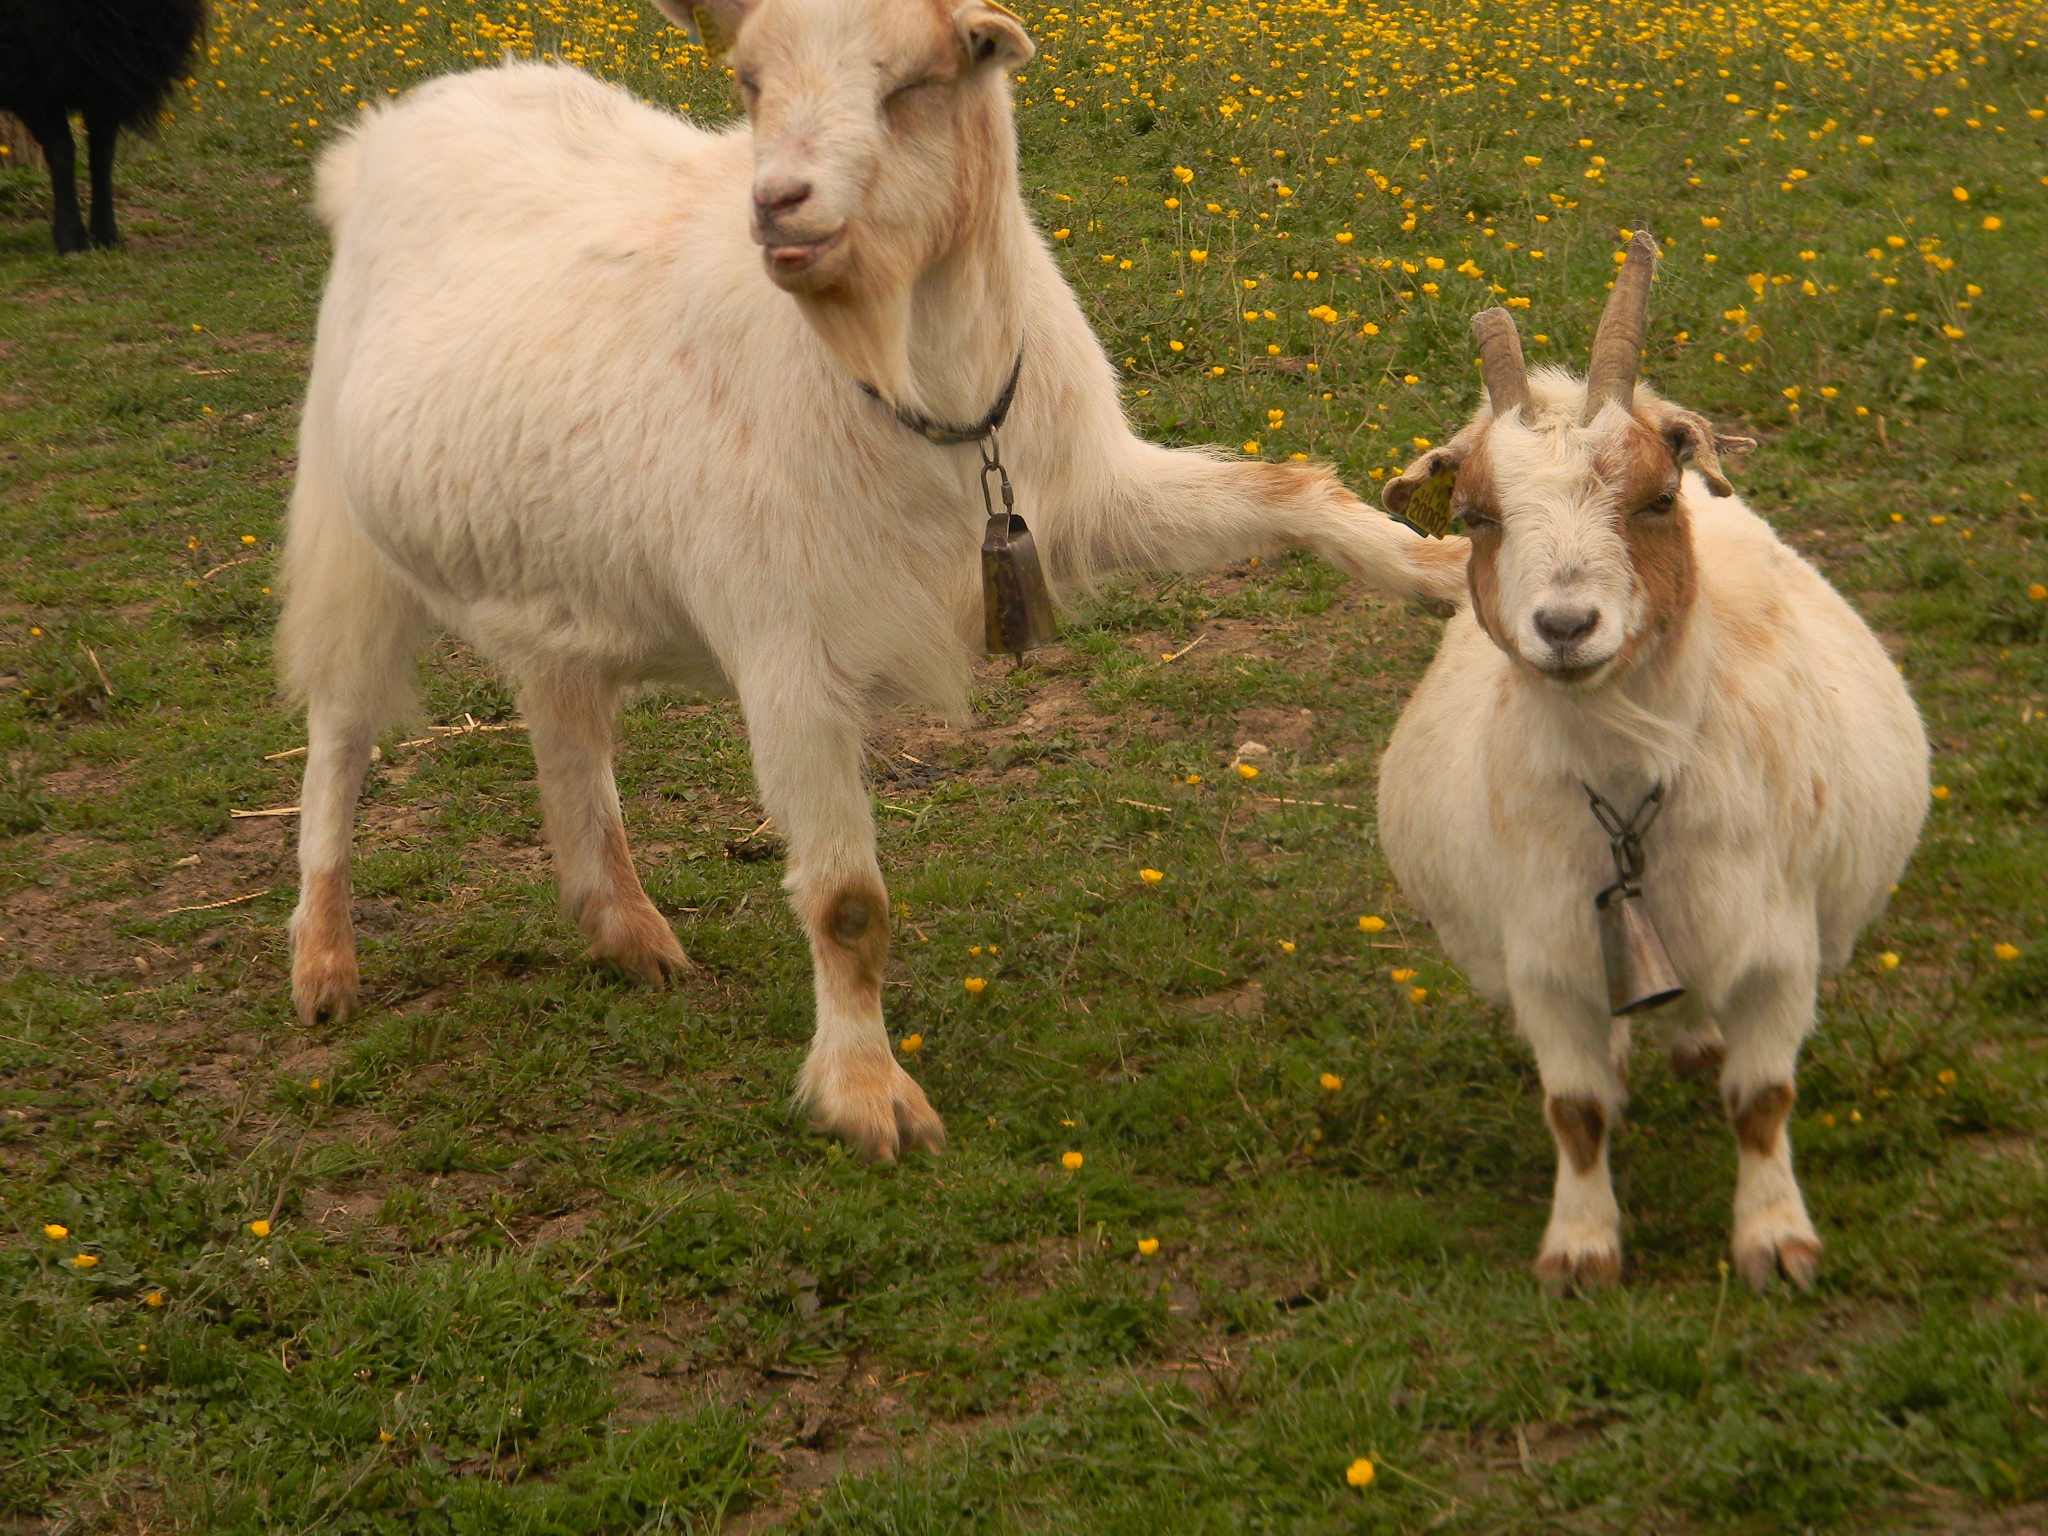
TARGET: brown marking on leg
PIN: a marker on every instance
(1581, 1126)
(324, 975)
(623, 926)
(1761, 1117)
(853, 927)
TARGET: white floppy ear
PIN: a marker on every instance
(710, 24)
(990, 33)
(1693, 440)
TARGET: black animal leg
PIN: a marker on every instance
(52, 130)
(100, 133)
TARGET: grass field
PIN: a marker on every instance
(522, 1249)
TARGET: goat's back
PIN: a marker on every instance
(112, 58)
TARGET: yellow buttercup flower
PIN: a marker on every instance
(1247, 771)
(2006, 951)
(910, 1045)
(1147, 1246)
(84, 1261)
(975, 984)
(1071, 1161)
(1888, 961)
(56, 1233)
(1331, 1082)
(1151, 876)
(1371, 924)
(259, 1228)
(1360, 1473)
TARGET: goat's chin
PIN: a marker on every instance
(808, 267)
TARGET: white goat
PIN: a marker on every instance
(568, 404)
(1633, 626)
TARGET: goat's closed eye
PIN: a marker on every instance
(1474, 518)
(1662, 502)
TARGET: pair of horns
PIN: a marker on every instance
(1617, 345)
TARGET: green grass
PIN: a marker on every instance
(562, 1242)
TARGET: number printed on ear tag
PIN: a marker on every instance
(1429, 509)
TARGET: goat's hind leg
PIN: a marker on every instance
(346, 644)
(570, 717)
(101, 131)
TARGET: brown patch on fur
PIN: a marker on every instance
(1638, 467)
(1581, 1127)
(1761, 1118)
(1474, 490)
(852, 935)
(1579, 1273)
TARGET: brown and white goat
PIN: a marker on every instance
(1633, 625)
(598, 407)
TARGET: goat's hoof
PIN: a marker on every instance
(1579, 1267)
(639, 941)
(876, 1113)
(325, 986)
(1794, 1253)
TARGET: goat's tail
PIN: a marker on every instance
(351, 629)
(334, 181)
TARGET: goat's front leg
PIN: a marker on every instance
(1184, 510)
(570, 718)
(807, 763)
(1582, 1101)
(51, 128)
(101, 131)
(1765, 1022)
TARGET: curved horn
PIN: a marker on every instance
(1618, 344)
(1500, 360)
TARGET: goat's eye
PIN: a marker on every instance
(749, 86)
(905, 91)
(1474, 518)
(1661, 503)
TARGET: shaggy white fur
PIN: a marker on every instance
(587, 393)
(1616, 642)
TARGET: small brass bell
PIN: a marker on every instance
(1639, 973)
(1016, 607)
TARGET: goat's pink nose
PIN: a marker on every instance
(1561, 626)
(773, 199)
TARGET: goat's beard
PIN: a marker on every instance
(864, 317)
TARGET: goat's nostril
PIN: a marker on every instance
(781, 197)
(1561, 625)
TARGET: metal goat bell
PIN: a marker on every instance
(1639, 973)
(1016, 608)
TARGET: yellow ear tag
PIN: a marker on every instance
(705, 31)
(1429, 507)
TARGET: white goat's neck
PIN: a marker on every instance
(1638, 731)
(941, 338)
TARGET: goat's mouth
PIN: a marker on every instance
(1572, 674)
(795, 258)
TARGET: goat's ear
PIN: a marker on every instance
(710, 24)
(992, 34)
(1420, 495)
(1693, 440)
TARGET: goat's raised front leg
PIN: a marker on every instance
(807, 763)
(1766, 1021)
(570, 716)
(1174, 509)
(1582, 1101)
